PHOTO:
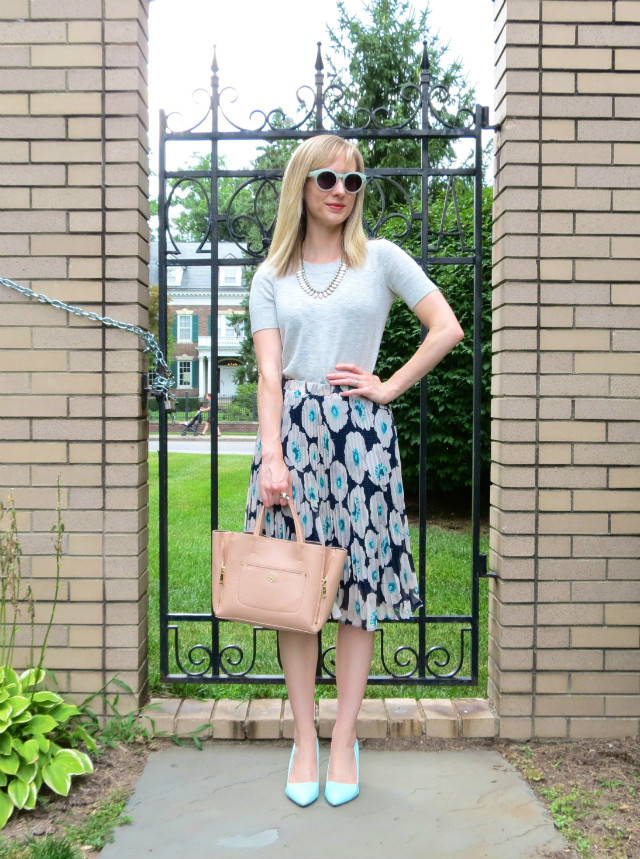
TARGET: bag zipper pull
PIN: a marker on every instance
(323, 596)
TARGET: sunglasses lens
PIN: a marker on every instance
(352, 183)
(326, 180)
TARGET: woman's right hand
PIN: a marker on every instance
(275, 479)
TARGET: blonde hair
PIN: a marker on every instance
(285, 252)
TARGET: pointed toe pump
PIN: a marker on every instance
(337, 792)
(305, 792)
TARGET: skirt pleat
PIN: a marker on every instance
(343, 455)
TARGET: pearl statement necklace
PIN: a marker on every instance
(306, 287)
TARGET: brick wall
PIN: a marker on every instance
(564, 634)
(73, 209)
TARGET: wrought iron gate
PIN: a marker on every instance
(247, 220)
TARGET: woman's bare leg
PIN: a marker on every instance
(299, 655)
(353, 661)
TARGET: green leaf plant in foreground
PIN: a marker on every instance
(29, 757)
(35, 723)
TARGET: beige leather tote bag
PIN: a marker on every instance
(278, 584)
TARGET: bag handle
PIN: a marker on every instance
(296, 521)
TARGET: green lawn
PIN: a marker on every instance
(447, 592)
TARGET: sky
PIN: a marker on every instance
(266, 49)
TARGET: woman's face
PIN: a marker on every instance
(329, 208)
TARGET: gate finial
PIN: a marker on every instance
(425, 65)
(319, 88)
(214, 62)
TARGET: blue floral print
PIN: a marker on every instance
(347, 489)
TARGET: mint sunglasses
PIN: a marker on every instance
(327, 180)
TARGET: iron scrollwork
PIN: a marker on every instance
(272, 120)
(228, 662)
(206, 658)
(412, 662)
(172, 198)
(252, 230)
(432, 663)
(335, 101)
(401, 221)
(196, 97)
(436, 237)
(439, 97)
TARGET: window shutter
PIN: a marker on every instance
(195, 374)
(209, 325)
(174, 328)
(174, 370)
(194, 328)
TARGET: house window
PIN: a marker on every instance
(184, 329)
(231, 276)
(225, 329)
(184, 374)
(174, 275)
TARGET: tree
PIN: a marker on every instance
(374, 59)
(247, 371)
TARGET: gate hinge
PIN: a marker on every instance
(485, 120)
(483, 572)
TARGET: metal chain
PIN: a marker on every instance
(160, 385)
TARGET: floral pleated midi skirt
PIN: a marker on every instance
(343, 455)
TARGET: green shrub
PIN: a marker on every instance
(449, 438)
(242, 404)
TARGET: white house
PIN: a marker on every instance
(189, 314)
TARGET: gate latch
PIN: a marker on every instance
(483, 572)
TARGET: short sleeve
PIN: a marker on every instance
(262, 305)
(404, 276)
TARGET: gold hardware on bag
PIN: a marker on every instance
(324, 587)
(222, 574)
(272, 578)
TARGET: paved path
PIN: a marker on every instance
(239, 444)
(228, 801)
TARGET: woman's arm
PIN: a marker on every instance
(274, 474)
(444, 332)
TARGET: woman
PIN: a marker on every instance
(318, 308)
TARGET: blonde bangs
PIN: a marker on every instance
(286, 247)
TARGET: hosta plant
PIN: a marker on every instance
(30, 717)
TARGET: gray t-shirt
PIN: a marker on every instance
(346, 327)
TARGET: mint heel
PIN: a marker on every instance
(305, 792)
(337, 792)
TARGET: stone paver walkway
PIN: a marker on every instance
(228, 801)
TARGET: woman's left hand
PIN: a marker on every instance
(361, 383)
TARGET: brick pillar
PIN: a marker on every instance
(73, 209)
(564, 634)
